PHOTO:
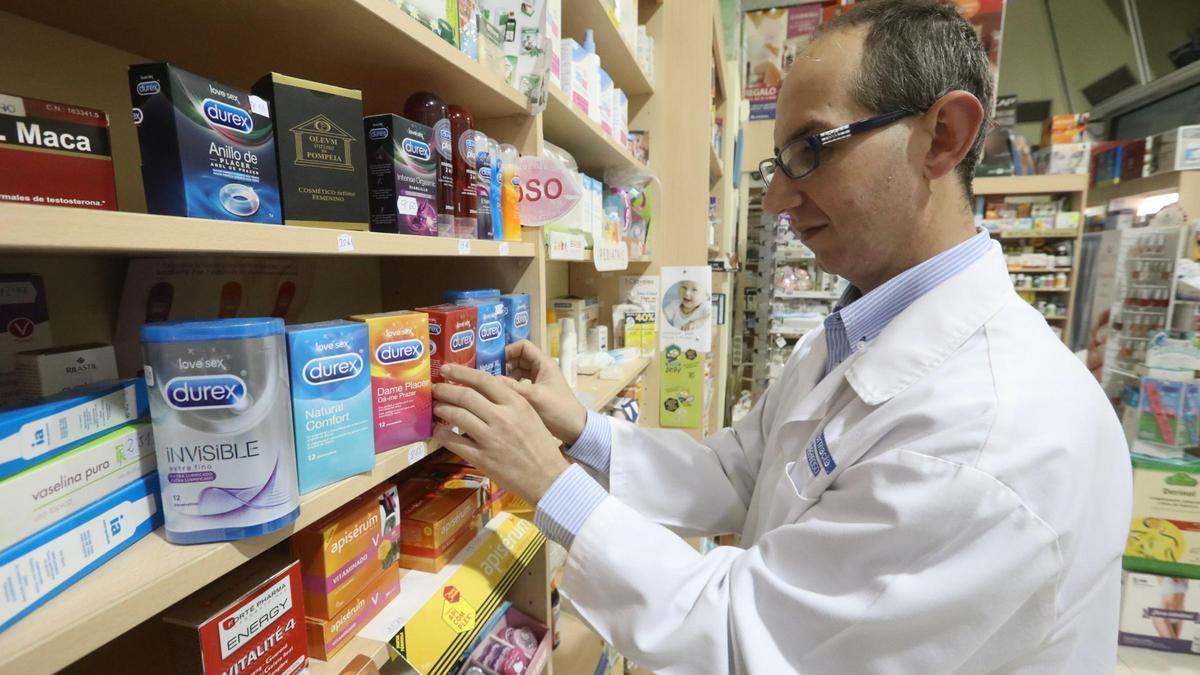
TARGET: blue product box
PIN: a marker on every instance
(489, 329)
(331, 401)
(208, 150)
(516, 317)
(42, 566)
(34, 433)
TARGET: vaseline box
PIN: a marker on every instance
(489, 341)
(208, 150)
(331, 401)
(451, 337)
(48, 492)
(516, 317)
(326, 637)
(402, 168)
(344, 552)
(322, 156)
(1164, 537)
(400, 382)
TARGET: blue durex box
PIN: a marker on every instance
(331, 401)
(31, 434)
(42, 566)
(208, 150)
(516, 317)
(489, 330)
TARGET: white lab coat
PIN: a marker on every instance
(974, 522)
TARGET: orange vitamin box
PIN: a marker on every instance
(327, 636)
(436, 525)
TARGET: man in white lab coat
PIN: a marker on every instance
(935, 484)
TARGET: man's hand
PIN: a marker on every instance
(501, 433)
(547, 390)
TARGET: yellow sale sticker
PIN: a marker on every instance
(456, 612)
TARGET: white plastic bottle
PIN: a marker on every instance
(568, 350)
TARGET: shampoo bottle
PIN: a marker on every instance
(426, 108)
(568, 349)
(462, 132)
(511, 193)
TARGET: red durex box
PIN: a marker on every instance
(451, 336)
(55, 154)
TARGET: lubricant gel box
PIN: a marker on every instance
(1159, 612)
(322, 156)
(516, 317)
(208, 150)
(249, 622)
(56, 154)
(342, 553)
(48, 492)
(326, 637)
(24, 314)
(37, 432)
(42, 566)
(400, 377)
(402, 169)
(451, 337)
(331, 401)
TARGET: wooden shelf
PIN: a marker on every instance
(595, 393)
(1026, 185)
(68, 230)
(719, 53)
(617, 57)
(807, 295)
(153, 574)
(1027, 270)
(1037, 234)
(1168, 181)
(576, 133)
(716, 168)
(364, 44)
(587, 257)
(1021, 289)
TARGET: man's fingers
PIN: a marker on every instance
(464, 419)
(465, 397)
(523, 387)
(484, 383)
(463, 447)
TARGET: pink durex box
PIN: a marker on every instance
(400, 377)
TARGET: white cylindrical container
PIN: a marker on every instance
(568, 350)
(222, 416)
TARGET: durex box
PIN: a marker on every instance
(342, 553)
(48, 492)
(403, 170)
(24, 314)
(34, 433)
(1164, 537)
(43, 565)
(1159, 612)
(208, 150)
(516, 317)
(451, 337)
(489, 327)
(331, 401)
(249, 622)
(326, 637)
(55, 154)
(321, 151)
(400, 380)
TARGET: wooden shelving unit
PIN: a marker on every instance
(595, 392)
(716, 167)
(1186, 183)
(1024, 185)
(616, 55)
(576, 133)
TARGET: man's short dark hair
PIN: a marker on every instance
(914, 52)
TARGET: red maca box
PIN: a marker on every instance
(55, 154)
(451, 336)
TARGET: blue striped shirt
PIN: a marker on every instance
(857, 319)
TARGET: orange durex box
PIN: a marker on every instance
(400, 384)
(451, 336)
(344, 552)
(327, 636)
(436, 524)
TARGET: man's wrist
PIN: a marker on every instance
(571, 434)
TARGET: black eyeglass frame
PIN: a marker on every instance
(816, 141)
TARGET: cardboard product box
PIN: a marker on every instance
(451, 336)
(208, 149)
(1070, 128)
(403, 170)
(1133, 159)
(1178, 149)
(515, 643)
(1159, 612)
(24, 312)
(1164, 537)
(46, 372)
(400, 377)
(585, 312)
(326, 637)
(250, 622)
(435, 524)
(321, 151)
(344, 552)
(55, 154)
(440, 16)
(516, 317)
(1106, 161)
(1064, 159)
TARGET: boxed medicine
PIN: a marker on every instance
(516, 317)
(23, 311)
(55, 154)
(46, 372)
(34, 433)
(342, 553)
(208, 150)
(439, 16)
(1064, 158)
(400, 377)
(45, 494)
(1177, 149)
(331, 401)
(451, 337)
(249, 622)
(435, 524)
(43, 565)
(321, 152)
(1160, 612)
(489, 341)
(403, 171)
(326, 637)
(1164, 537)
(585, 312)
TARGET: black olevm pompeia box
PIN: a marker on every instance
(322, 157)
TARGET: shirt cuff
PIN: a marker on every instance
(594, 445)
(566, 506)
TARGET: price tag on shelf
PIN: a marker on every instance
(464, 247)
(416, 453)
(345, 243)
(565, 246)
(504, 248)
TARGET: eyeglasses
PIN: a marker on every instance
(802, 156)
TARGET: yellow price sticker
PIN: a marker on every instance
(456, 612)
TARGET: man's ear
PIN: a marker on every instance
(953, 123)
